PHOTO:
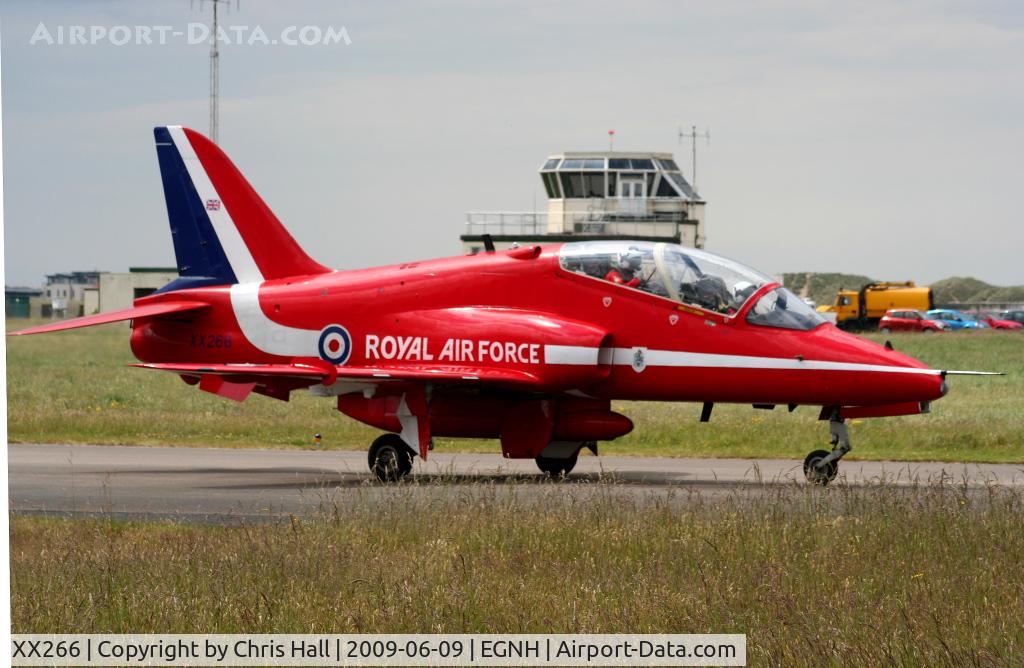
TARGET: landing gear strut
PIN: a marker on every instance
(821, 466)
(390, 458)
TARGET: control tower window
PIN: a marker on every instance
(572, 184)
(552, 163)
(582, 184)
(593, 163)
(665, 189)
(613, 182)
(681, 183)
(668, 165)
(551, 185)
(642, 163)
(572, 164)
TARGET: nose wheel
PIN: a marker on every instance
(818, 473)
(821, 466)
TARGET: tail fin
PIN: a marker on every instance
(223, 231)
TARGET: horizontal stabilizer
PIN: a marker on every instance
(145, 311)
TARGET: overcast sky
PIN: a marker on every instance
(881, 139)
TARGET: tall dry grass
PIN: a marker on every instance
(841, 576)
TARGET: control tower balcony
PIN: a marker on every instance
(594, 196)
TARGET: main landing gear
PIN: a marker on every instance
(559, 459)
(821, 466)
(556, 468)
(390, 458)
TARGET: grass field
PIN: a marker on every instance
(73, 387)
(841, 576)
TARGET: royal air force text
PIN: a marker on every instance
(422, 349)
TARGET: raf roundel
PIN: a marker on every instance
(335, 344)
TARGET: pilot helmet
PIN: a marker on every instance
(631, 259)
(742, 290)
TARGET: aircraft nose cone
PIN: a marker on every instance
(888, 376)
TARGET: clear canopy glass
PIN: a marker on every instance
(685, 275)
(689, 276)
(781, 308)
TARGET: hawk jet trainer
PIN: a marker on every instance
(528, 346)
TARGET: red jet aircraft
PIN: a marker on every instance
(529, 345)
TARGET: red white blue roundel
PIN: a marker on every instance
(335, 344)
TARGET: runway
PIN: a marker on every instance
(218, 485)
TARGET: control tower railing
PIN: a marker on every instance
(589, 223)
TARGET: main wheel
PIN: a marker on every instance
(390, 458)
(817, 476)
(557, 468)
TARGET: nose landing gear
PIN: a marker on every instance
(821, 466)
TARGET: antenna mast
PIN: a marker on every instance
(215, 69)
(692, 135)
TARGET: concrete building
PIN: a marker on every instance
(118, 290)
(600, 195)
(18, 301)
(77, 293)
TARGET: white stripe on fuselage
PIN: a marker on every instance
(276, 339)
(267, 335)
(582, 355)
(239, 257)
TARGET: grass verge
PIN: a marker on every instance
(73, 387)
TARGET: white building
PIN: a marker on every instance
(600, 195)
(64, 294)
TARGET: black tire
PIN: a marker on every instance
(557, 468)
(815, 476)
(390, 459)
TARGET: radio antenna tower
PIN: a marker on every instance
(692, 135)
(215, 67)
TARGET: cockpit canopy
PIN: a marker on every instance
(689, 276)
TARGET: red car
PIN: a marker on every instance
(899, 320)
(996, 323)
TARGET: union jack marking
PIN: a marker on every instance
(213, 205)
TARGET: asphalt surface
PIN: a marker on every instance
(218, 485)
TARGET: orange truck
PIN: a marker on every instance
(861, 309)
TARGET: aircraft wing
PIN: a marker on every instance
(145, 311)
(235, 381)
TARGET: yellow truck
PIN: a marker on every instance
(861, 309)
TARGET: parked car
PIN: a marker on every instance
(902, 320)
(1014, 315)
(954, 319)
(1000, 323)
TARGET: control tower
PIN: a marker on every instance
(600, 195)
